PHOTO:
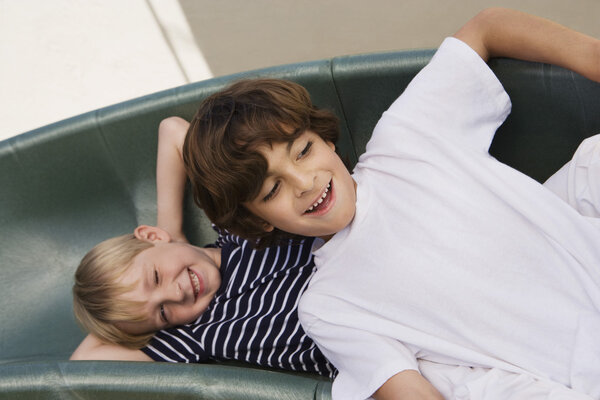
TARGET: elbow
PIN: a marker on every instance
(475, 32)
(481, 31)
(488, 16)
(170, 125)
(172, 132)
(491, 12)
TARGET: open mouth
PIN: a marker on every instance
(195, 283)
(322, 202)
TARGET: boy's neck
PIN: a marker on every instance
(326, 237)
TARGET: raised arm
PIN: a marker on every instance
(171, 177)
(91, 348)
(498, 32)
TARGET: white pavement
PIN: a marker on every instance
(61, 58)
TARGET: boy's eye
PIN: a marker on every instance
(163, 315)
(305, 150)
(156, 277)
(272, 193)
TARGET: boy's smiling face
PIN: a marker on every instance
(174, 282)
(307, 191)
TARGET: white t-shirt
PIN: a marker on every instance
(578, 181)
(452, 256)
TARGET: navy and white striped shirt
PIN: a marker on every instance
(253, 316)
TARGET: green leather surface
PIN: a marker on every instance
(69, 185)
(132, 380)
(368, 84)
(553, 111)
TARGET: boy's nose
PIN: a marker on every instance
(303, 182)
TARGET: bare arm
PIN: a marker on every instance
(499, 32)
(171, 177)
(407, 384)
(91, 348)
(170, 182)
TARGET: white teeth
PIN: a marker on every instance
(321, 199)
(195, 282)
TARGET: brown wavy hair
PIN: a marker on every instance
(221, 156)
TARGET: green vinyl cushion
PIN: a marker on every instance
(132, 380)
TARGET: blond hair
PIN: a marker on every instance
(97, 301)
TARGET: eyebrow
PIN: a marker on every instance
(288, 148)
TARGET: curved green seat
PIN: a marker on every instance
(134, 380)
(69, 185)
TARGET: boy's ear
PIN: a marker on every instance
(268, 227)
(152, 234)
(331, 145)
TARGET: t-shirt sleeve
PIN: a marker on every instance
(175, 345)
(364, 360)
(456, 96)
(578, 181)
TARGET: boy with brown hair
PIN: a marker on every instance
(472, 237)
(255, 112)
